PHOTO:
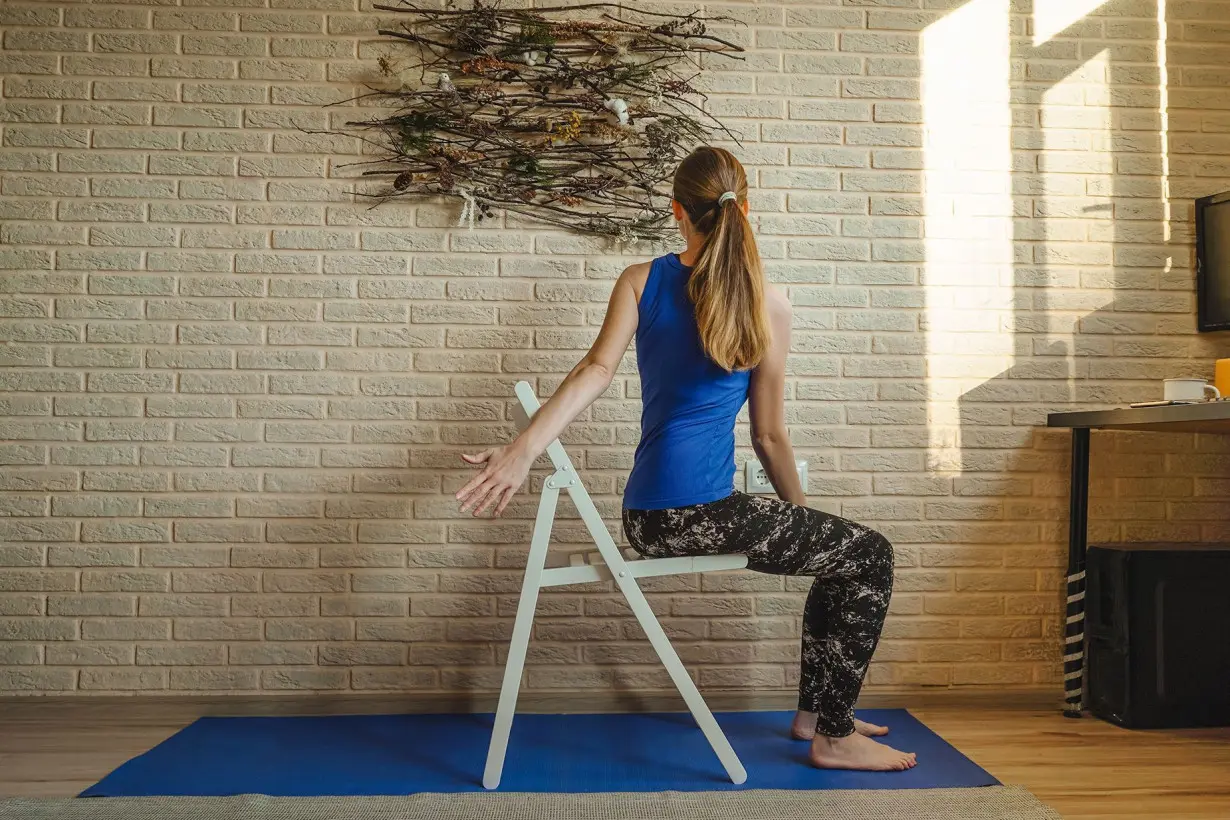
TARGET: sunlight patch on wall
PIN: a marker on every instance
(1163, 107)
(968, 275)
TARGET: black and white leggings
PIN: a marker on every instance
(845, 608)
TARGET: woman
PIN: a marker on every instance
(710, 335)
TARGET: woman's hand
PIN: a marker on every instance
(504, 472)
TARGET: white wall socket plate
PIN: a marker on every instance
(758, 480)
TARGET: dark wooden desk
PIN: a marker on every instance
(1207, 417)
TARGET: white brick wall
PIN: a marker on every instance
(233, 398)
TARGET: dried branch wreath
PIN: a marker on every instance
(575, 115)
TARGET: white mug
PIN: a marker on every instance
(1187, 389)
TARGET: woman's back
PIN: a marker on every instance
(687, 451)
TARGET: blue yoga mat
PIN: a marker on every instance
(405, 754)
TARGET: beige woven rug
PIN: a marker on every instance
(989, 803)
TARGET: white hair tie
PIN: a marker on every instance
(726, 197)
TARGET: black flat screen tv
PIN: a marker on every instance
(1213, 262)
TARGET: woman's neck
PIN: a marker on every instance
(695, 243)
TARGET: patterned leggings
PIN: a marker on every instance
(845, 609)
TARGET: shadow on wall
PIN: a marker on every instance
(1106, 160)
(1062, 148)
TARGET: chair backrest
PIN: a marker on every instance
(527, 406)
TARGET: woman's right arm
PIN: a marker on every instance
(767, 404)
(504, 469)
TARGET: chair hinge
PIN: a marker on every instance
(563, 478)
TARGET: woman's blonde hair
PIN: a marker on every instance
(727, 282)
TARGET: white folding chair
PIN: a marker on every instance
(606, 564)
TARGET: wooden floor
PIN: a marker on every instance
(1085, 769)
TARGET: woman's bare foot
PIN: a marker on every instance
(858, 752)
(804, 727)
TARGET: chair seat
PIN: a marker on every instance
(588, 567)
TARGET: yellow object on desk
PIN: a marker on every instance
(1221, 377)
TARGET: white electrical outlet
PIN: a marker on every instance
(758, 479)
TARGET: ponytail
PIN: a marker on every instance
(727, 282)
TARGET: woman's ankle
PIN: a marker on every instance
(832, 738)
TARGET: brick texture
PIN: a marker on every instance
(232, 396)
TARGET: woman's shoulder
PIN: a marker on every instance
(639, 270)
(636, 276)
(777, 302)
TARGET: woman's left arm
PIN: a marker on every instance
(505, 468)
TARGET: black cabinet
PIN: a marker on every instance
(1158, 628)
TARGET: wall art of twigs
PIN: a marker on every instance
(574, 115)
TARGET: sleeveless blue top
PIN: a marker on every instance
(687, 450)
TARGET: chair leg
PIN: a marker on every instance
(519, 644)
(683, 682)
(657, 637)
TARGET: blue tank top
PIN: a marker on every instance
(687, 449)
